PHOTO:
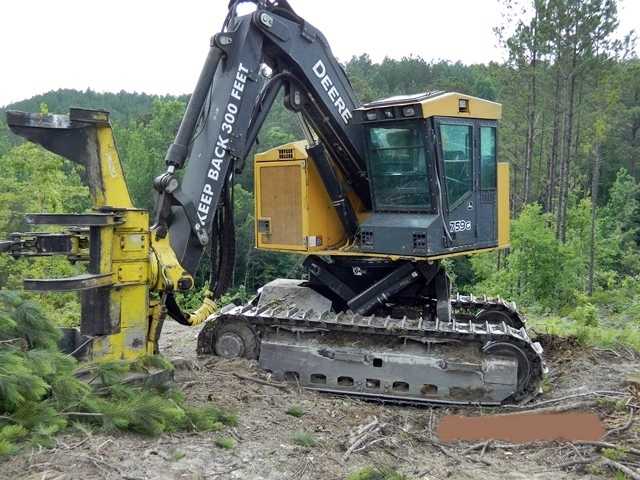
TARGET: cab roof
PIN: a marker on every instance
(438, 103)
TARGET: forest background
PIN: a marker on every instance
(570, 91)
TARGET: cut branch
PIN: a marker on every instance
(600, 393)
(624, 428)
(557, 409)
(634, 475)
(632, 450)
(363, 434)
(279, 386)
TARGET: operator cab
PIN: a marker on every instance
(433, 174)
(436, 187)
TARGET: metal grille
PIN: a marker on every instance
(366, 238)
(285, 154)
(420, 241)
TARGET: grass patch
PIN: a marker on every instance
(604, 335)
(304, 439)
(177, 455)
(620, 476)
(615, 454)
(376, 473)
(295, 411)
(547, 385)
(614, 405)
(209, 419)
(226, 443)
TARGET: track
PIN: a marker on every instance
(425, 361)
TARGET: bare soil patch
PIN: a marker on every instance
(349, 433)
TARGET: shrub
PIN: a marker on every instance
(586, 315)
(40, 394)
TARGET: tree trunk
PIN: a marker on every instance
(552, 165)
(541, 193)
(566, 155)
(562, 172)
(531, 115)
(578, 123)
(595, 181)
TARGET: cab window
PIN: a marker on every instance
(488, 158)
(398, 165)
(457, 152)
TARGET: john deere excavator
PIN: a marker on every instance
(375, 197)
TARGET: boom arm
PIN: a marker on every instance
(226, 110)
(229, 105)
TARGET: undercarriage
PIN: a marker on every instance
(403, 341)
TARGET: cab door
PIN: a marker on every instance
(458, 151)
(487, 206)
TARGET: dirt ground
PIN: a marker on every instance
(265, 450)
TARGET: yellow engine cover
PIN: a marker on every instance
(293, 211)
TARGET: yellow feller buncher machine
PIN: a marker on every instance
(374, 198)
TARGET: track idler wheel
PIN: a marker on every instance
(510, 350)
(235, 339)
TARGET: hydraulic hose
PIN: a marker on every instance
(177, 152)
(205, 310)
(223, 252)
(223, 245)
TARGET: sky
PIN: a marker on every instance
(159, 46)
